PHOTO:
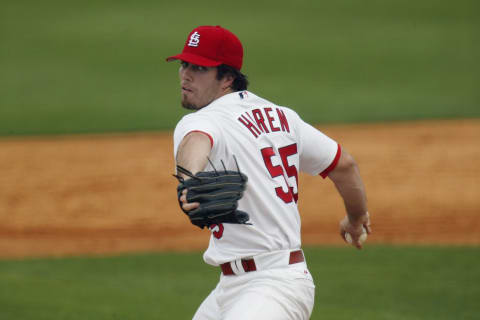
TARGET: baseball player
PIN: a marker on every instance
(264, 274)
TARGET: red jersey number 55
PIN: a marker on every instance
(280, 170)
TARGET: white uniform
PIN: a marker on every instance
(271, 144)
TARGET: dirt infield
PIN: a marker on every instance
(115, 193)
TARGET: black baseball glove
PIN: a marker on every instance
(217, 192)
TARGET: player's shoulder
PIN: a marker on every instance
(250, 98)
(237, 98)
(203, 114)
(260, 100)
(193, 120)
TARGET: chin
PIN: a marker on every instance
(188, 105)
(192, 106)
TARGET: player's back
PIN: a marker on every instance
(263, 139)
(266, 140)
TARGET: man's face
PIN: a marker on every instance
(200, 85)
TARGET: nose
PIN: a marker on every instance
(185, 74)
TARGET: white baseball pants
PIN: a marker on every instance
(285, 293)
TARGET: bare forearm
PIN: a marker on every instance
(350, 186)
(353, 193)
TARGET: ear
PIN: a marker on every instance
(227, 81)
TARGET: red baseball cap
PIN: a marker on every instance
(211, 46)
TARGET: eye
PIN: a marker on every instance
(184, 64)
(199, 68)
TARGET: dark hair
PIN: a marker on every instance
(240, 81)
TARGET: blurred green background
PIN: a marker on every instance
(98, 66)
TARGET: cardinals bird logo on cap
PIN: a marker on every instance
(194, 39)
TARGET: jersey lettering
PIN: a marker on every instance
(280, 170)
(265, 120)
(250, 126)
(271, 119)
(283, 120)
(257, 114)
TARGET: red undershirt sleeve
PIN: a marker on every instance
(334, 163)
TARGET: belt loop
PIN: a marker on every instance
(237, 266)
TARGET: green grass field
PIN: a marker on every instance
(380, 282)
(96, 66)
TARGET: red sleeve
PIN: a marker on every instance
(334, 163)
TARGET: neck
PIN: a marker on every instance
(224, 92)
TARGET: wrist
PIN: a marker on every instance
(358, 218)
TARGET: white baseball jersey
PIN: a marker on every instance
(272, 145)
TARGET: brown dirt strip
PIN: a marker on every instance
(109, 194)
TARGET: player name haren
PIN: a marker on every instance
(264, 120)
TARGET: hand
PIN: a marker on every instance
(187, 206)
(355, 228)
(211, 197)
